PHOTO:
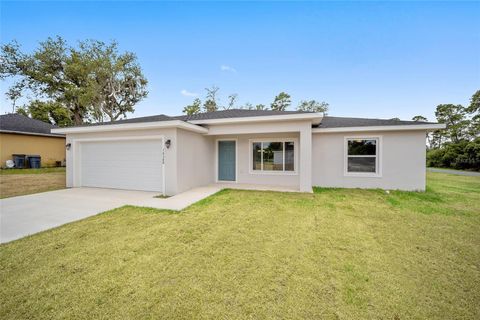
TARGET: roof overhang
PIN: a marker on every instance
(315, 118)
(51, 135)
(133, 126)
(423, 127)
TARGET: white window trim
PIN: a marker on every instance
(378, 156)
(216, 161)
(267, 172)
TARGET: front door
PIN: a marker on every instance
(226, 161)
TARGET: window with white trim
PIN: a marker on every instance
(273, 156)
(362, 156)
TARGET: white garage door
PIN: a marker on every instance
(130, 165)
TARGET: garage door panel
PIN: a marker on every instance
(134, 165)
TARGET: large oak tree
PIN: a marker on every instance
(91, 80)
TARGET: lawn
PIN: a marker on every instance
(335, 254)
(17, 182)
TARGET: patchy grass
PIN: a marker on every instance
(337, 253)
(17, 182)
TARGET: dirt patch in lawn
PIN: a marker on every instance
(12, 185)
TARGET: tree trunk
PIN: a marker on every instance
(77, 118)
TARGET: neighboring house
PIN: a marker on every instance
(291, 149)
(22, 135)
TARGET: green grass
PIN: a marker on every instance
(334, 254)
(32, 171)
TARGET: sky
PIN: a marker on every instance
(366, 59)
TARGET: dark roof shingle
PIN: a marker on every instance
(22, 124)
(342, 122)
(235, 113)
(159, 117)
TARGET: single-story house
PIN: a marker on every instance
(293, 149)
(20, 134)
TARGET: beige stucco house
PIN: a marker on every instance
(22, 135)
(292, 149)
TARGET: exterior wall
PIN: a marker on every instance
(243, 161)
(51, 149)
(73, 155)
(191, 160)
(259, 127)
(302, 130)
(402, 157)
(195, 155)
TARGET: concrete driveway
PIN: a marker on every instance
(25, 215)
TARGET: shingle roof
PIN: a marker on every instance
(159, 117)
(235, 113)
(22, 124)
(341, 122)
(223, 114)
(327, 121)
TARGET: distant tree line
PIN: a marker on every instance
(281, 102)
(458, 146)
(71, 85)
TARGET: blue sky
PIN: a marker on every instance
(369, 59)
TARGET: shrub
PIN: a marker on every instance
(461, 155)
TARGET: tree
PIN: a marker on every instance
(313, 106)
(395, 119)
(462, 155)
(47, 111)
(429, 135)
(455, 119)
(474, 110)
(53, 71)
(419, 118)
(231, 101)
(281, 102)
(260, 107)
(90, 80)
(458, 146)
(193, 108)
(474, 103)
(211, 104)
(120, 80)
(13, 94)
(247, 106)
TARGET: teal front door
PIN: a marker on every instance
(226, 161)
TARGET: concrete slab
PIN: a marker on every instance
(25, 215)
(179, 201)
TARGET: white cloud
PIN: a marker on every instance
(227, 68)
(188, 93)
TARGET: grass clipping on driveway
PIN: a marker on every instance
(348, 254)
